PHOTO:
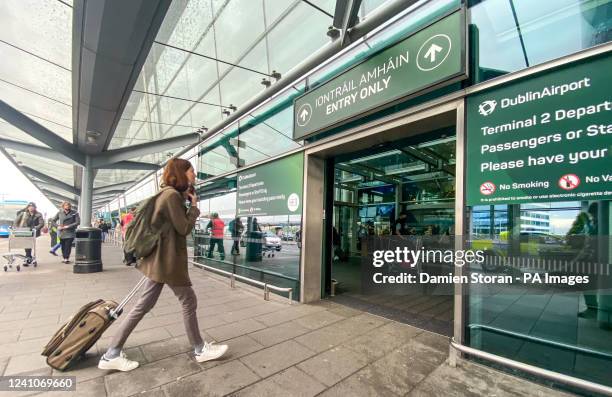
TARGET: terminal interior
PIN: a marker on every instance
(371, 188)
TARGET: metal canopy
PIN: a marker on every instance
(110, 44)
(99, 46)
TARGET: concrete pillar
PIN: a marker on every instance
(86, 193)
(88, 252)
(311, 275)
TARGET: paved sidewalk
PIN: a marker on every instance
(276, 349)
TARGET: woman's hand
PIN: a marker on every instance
(192, 198)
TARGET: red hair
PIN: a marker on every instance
(175, 174)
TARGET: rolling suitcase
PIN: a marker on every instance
(83, 330)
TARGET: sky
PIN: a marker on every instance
(15, 186)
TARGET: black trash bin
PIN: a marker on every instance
(88, 254)
(253, 246)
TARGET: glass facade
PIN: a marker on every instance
(512, 35)
(559, 329)
(263, 248)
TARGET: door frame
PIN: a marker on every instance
(419, 120)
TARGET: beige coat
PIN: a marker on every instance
(168, 262)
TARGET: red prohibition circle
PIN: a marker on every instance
(569, 182)
(487, 188)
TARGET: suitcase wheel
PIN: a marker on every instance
(5, 268)
(18, 268)
(35, 263)
(82, 324)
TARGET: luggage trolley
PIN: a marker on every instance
(20, 238)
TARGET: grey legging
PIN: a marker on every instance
(150, 294)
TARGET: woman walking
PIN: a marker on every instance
(167, 264)
(67, 221)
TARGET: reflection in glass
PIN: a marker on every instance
(262, 248)
(513, 34)
(559, 327)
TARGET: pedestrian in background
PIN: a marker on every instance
(128, 258)
(68, 220)
(216, 227)
(55, 242)
(30, 218)
(104, 228)
(236, 227)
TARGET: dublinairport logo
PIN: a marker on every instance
(487, 107)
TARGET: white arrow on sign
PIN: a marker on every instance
(432, 51)
(304, 114)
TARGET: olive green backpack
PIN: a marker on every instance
(140, 237)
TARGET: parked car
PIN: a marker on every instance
(4, 230)
(288, 236)
(272, 241)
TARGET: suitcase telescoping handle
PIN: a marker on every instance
(115, 313)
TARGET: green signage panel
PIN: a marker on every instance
(429, 57)
(545, 138)
(272, 189)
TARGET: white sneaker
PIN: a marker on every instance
(210, 352)
(119, 363)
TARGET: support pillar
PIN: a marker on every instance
(86, 193)
(88, 252)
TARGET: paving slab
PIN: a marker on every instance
(150, 376)
(232, 330)
(278, 333)
(318, 320)
(327, 337)
(471, 379)
(290, 383)
(276, 358)
(333, 365)
(218, 381)
(26, 363)
(90, 388)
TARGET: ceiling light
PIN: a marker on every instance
(437, 142)
(265, 82)
(94, 134)
(375, 156)
(275, 75)
(355, 178)
(402, 170)
(226, 112)
(91, 137)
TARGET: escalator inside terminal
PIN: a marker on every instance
(414, 179)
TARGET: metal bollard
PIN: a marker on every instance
(232, 281)
(266, 292)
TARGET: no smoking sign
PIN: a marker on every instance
(569, 181)
(487, 188)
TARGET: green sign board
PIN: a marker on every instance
(545, 138)
(429, 57)
(274, 188)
